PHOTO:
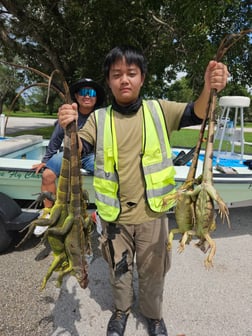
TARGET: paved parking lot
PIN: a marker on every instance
(16, 124)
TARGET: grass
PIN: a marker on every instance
(188, 138)
(25, 114)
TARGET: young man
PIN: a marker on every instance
(133, 172)
(88, 95)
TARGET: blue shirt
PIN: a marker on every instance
(57, 137)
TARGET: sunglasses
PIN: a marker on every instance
(87, 92)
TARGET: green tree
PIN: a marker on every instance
(38, 100)
(74, 36)
(180, 91)
(9, 81)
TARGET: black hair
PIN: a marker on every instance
(131, 55)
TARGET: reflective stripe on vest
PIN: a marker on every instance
(157, 159)
(105, 176)
(156, 162)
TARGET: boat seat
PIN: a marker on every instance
(12, 216)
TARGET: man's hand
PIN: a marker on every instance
(216, 76)
(38, 167)
(67, 113)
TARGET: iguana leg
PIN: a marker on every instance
(203, 244)
(185, 238)
(58, 260)
(170, 238)
(54, 216)
(64, 229)
(208, 261)
(223, 209)
(63, 272)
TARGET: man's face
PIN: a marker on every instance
(125, 82)
(86, 98)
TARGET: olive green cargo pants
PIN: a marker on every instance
(147, 243)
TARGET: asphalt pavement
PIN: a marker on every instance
(197, 302)
(17, 124)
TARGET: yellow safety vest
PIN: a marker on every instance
(156, 162)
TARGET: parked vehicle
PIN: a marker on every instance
(12, 218)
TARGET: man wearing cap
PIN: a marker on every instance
(89, 95)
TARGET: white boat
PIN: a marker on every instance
(21, 183)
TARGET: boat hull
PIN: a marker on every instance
(20, 182)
